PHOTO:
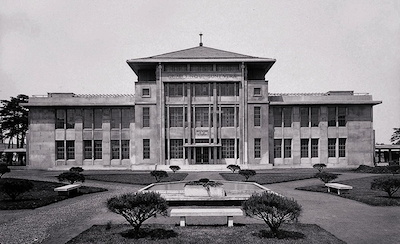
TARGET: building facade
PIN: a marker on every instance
(202, 109)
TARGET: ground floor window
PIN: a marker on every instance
(60, 150)
(70, 149)
(277, 148)
(125, 149)
(114, 149)
(332, 147)
(228, 148)
(304, 148)
(288, 148)
(342, 147)
(176, 148)
(314, 148)
(257, 147)
(146, 148)
(87, 149)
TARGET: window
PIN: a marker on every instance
(314, 148)
(287, 117)
(126, 117)
(228, 148)
(201, 117)
(257, 116)
(175, 89)
(70, 149)
(277, 112)
(342, 116)
(98, 118)
(115, 118)
(288, 148)
(228, 89)
(331, 116)
(175, 67)
(202, 89)
(98, 150)
(228, 117)
(277, 148)
(304, 148)
(145, 92)
(87, 149)
(146, 117)
(176, 148)
(314, 116)
(176, 116)
(60, 150)
(201, 67)
(257, 147)
(70, 118)
(342, 147)
(228, 67)
(87, 118)
(257, 92)
(60, 118)
(332, 147)
(114, 149)
(304, 116)
(146, 148)
(125, 149)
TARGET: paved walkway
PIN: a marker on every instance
(349, 220)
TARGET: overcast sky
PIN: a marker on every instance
(82, 46)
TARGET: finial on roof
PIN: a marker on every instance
(201, 39)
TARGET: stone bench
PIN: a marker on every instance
(338, 187)
(205, 212)
(68, 189)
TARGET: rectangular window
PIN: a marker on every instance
(257, 116)
(201, 67)
(176, 148)
(175, 89)
(342, 147)
(70, 118)
(145, 92)
(228, 148)
(114, 149)
(125, 149)
(60, 118)
(257, 147)
(228, 117)
(146, 148)
(304, 116)
(287, 117)
(201, 117)
(146, 117)
(277, 148)
(332, 147)
(115, 118)
(70, 149)
(202, 89)
(277, 117)
(60, 150)
(314, 148)
(87, 118)
(126, 118)
(304, 148)
(288, 148)
(331, 116)
(87, 149)
(314, 117)
(342, 116)
(257, 92)
(175, 67)
(228, 67)
(176, 117)
(227, 89)
(98, 118)
(98, 149)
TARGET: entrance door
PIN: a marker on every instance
(202, 155)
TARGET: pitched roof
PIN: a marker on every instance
(200, 52)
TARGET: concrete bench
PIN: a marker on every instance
(338, 187)
(67, 189)
(205, 212)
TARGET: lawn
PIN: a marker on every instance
(251, 233)
(361, 192)
(135, 178)
(42, 194)
(270, 178)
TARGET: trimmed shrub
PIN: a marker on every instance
(15, 188)
(394, 169)
(247, 173)
(233, 167)
(273, 209)
(390, 185)
(76, 169)
(204, 180)
(159, 174)
(138, 207)
(174, 168)
(71, 177)
(4, 169)
(325, 177)
(319, 167)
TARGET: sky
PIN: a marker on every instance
(82, 46)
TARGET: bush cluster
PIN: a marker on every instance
(14, 188)
(319, 167)
(325, 177)
(159, 174)
(233, 167)
(390, 185)
(174, 168)
(247, 173)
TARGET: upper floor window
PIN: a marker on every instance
(60, 118)
(228, 67)
(304, 116)
(257, 92)
(228, 117)
(342, 120)
(228, 148)
(287, 117)
(87, 118)
(331, 116)
(201, 67)
(337, 115)
(314, 116)
(145, 92)
(175, 67)
(282, 115)
(146, 117)
(175, 89)
(98, 118)
(309, 114)
(202, 117)
(228, 89)
(257, 116)
(65, 118)
(202, 89)
(176, 116)
(115, 118)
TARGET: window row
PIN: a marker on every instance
(309, 148)
(93, 118)
(202, 67)
(92, 149)
(201, 89)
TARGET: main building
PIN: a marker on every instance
(202, 109)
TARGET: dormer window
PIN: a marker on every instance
(146, 92)
(257, 92)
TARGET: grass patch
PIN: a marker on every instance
(252, 233)
(135, 178)
(42, 194)
(270, 178)
(361, 192)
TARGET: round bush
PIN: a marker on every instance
(319, 167)
(247, 173)
(159, 174)
(76, 169)
(326, 177)
(233, 167)
(14, 188)
(390, 185)
(174, 168)
(71, 177)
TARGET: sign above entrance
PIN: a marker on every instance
(201, 77)
(202, 133)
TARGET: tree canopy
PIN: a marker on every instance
(395, 139)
